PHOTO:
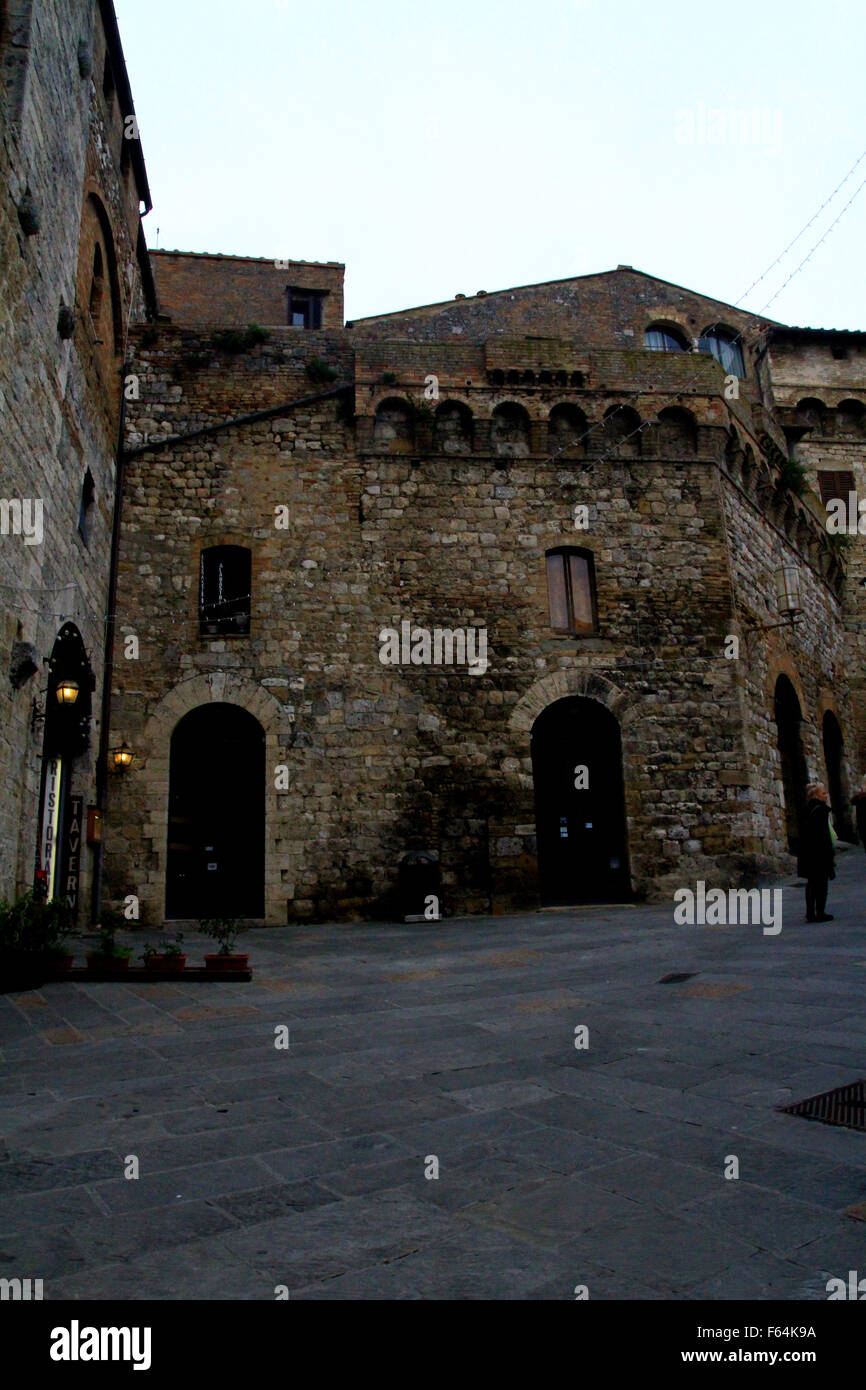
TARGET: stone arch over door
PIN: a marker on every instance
(591, 685)
(557, 685)
(153, 769)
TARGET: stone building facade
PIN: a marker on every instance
(586, 485)
(73, 273)
(525, 598)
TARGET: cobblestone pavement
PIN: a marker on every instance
(558, 1165)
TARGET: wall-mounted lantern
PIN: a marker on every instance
(67, 691)
(786, 581)
(121, 759)
(788, 601)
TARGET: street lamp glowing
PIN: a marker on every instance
(121, 758)
(67, 692)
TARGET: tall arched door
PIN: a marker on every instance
(216, 815)
(579, 804)
(837, 788)
(789, 719)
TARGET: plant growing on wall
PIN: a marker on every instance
(423, 412)
(319, 371)
(236, 340)
(794, 477)
(838, 544)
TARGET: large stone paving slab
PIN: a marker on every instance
(448, 1048)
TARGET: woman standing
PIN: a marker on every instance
(816, 853)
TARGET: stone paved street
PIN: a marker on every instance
(557, 1166)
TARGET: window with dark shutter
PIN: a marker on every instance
(835, 483)
(571, 590)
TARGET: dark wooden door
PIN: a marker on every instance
(579, 804)
(216, 826)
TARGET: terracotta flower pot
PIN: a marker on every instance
(225, 965)
(61, 963)
(172, 962)
(97, 961)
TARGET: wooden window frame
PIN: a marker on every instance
(563, 555)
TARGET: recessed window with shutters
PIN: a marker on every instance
(571, 591)
(835, 483)
(224, 590)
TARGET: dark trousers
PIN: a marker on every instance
(816, 896)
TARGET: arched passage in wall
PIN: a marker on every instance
(837, 791)
(579, 803)
(215, 863)
(789, 720)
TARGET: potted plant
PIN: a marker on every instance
(19, 966)
(169, 956)
(57, 925)
(108, 955)
(225, 931)
(31, 940)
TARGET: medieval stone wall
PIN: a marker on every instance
(400, 518)
(59, 388)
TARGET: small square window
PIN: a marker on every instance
(305, 307)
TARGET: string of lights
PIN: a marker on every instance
(802, 231)
(738, 337)
(181, 618)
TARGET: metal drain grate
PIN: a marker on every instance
(677, 977)
(845, 1106)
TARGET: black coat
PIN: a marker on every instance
(816, 847)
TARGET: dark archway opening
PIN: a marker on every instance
(836, 782)
(216, 815)
(579, 804)
(789, 720)
(66, 738)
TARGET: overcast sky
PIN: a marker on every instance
(460, 145)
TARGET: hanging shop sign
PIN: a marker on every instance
(73, 850)
(50, 823)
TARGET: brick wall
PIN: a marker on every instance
(217, 290)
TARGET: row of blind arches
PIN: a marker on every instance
(847, 420)
(455, 430)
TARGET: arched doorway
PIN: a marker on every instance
(66, 738)
(216, 815)
(790, 742)
(840, 805)
(579, 804)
